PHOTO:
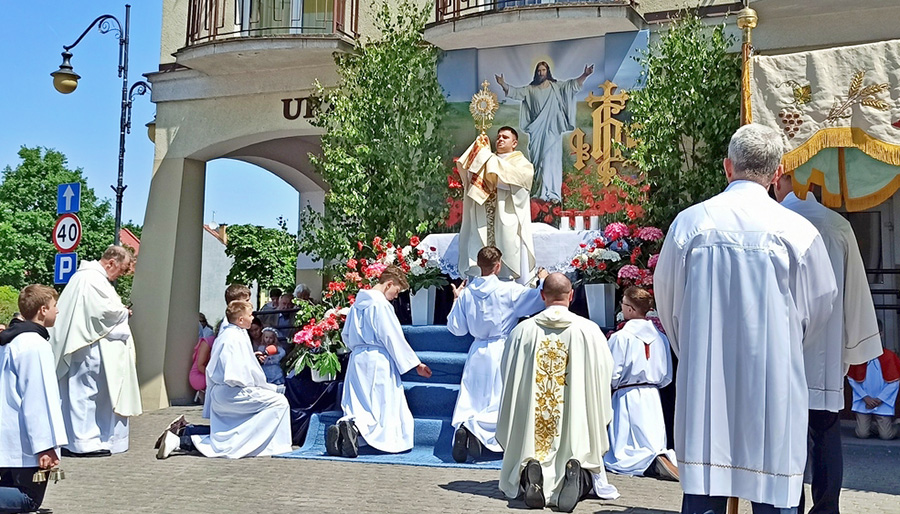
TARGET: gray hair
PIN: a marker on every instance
(755, 151)
(301, 288)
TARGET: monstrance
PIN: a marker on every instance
(483, 107)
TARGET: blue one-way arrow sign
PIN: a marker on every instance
(68, 198)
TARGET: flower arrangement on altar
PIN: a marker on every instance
(625, 255)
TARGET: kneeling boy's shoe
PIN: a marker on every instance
(170, 444)
(665, 468)
(474, 446)
(533, 484)
(460, 444)
(176, 427)
(574, 487)
(333, 440)
(349, 439)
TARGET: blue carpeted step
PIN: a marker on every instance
(433, 441)
(435, 338)
(431, 400)
(446, 367)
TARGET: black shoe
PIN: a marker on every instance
(333, 440)
(474, 446)
(571, 490)
(349, 439)
(460, 444)
(533, 483)
(95, 453)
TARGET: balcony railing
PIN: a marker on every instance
(448, 10)
(217, 20)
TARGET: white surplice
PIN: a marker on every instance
(555, 404)
(373, 393)
(488, 309)
(641, 366)
(874, 386)
(852, 335)
(742, 284)
(247, 416)
(95, 362)
(30, 417)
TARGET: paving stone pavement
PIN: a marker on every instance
(136, 482)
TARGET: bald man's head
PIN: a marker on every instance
(557, 290)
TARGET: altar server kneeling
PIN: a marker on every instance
(31, 421)
(374, 403)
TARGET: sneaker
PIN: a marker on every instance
(333, 441)
(349, 439)
(533, 483)
(176, 427)
(665, 468)
(474, 446)
(571, 488)
(460, 444)
(170, 444)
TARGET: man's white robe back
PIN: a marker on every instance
(373, 392)
(556, 403)
(742, 284)
(852, 335)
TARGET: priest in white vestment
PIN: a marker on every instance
(488, 309)
(547, 112)
(742, 285)
(496, 206)
(642, 365)
(248, 417)
(95, 357)
(851, 337)
(555, 405)
(374, 403)
(31, 422)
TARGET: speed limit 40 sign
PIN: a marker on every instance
(67, 233)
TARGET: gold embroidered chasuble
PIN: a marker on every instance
(555, 404)
(496, 209)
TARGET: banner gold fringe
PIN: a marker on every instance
(842, 137)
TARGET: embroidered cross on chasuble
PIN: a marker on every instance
(552, 359)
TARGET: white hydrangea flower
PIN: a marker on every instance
(389, 258)
(406, 250)
(609, 255)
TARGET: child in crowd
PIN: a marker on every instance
(248, 416)
(271, 364)
(199, 359)
(642, 365)
(31, 422)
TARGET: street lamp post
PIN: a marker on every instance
(65, 80)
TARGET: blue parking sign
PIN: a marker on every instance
(64, 268)
(68, 198)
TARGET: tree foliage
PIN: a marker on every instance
(267, 256)
(385, 153)
(684, 114)
(28, 214)
(9, 303)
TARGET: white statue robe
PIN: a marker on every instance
(30, 417)
(555, 404)
(641, 366)
(546, 114)
(510, 176)
(489, 309)
(373, 393)
(95, 362)
(851, 336)
(247, 416)
(742, 284)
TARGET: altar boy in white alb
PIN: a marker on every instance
(851, 338)
(488, 309)
(374, 403)
(31, 424)
(742, 284)
(95, 358)
(641, 366)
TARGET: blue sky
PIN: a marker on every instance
(84, 125)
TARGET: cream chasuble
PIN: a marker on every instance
(852, 333)
(496, 210)
(555, 405)
(742, 285)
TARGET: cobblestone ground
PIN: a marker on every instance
(137, 482)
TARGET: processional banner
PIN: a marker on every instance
(835, 107)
